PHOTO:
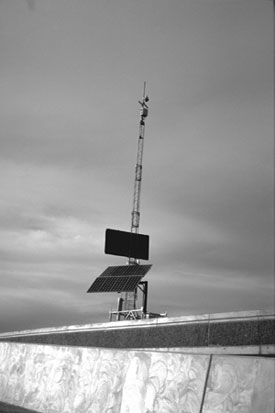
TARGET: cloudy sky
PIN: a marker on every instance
(71, 75)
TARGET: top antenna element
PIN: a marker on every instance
(144, 87)
(143, 103)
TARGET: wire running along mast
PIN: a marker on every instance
(131, 297)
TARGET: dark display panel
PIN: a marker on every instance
(127, 244)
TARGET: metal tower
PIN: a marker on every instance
(131, 297)
(127, 279)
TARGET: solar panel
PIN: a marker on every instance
(119, 278)
(115, 284)
(123, 270)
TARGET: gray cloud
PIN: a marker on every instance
(70, 78)
(31, 4)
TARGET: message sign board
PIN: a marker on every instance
(127, 244)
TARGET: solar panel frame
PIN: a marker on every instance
(126, 270)
(115, 284)
(120, 278)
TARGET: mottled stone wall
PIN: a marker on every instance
(204, 332)
(55, 379)
(240, 385)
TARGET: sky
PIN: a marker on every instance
(71, 75)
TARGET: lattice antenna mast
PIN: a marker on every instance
(130, 298)
(126, 279)
(138, 170)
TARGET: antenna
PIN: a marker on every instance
(131, 297)
(126, 279)
(138, 170)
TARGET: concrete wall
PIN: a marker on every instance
(55, 379)
(213, 363)
(240, 329)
